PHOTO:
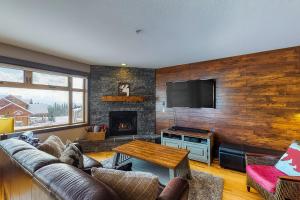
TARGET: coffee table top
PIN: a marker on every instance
(155, 153)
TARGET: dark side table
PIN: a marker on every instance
(232, 156)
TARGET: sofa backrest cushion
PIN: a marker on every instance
(69, 183)
(12, 146)
(34, 159)
(289, 163)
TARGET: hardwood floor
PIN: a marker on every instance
(234, 182)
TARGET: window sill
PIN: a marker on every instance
(50, 129)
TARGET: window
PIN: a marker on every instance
(11, 75)
(77, 82)
(49, 79)
(41, 99)
(77, 107)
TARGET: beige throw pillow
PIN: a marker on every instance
(129, 185)
(53, 145)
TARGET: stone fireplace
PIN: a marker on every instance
(104, 81)
(127, 120)
(122, 123)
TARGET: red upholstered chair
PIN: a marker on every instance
(271, 183)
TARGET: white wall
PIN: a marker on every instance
(64, 135)
(34, 56)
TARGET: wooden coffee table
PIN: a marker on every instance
(176, 160)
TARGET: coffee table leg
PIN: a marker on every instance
(182, 170)
(172, 173)
(189, 174)
(116, 160)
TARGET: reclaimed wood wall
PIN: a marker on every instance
(257, 98)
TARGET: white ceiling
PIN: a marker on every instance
(174, 32)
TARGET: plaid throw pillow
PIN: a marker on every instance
(72, 156)
(289, 163)
(129, 185)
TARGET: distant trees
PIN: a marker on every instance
(57, 110)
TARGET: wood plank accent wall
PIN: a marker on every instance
(258, 98)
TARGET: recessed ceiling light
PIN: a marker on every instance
(123, 64)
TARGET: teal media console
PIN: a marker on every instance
(199, 144)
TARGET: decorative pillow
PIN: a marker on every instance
(289, 163)
(53, 145)
(72, 156)
(129, 185)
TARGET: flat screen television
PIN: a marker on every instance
(192, 94)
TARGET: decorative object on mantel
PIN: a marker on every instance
(96, 132)
(123, 89)
(123, 98)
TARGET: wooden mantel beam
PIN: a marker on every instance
(123, 98)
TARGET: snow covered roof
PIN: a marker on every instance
(3, 102)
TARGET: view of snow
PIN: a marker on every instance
(33, 108)
(58, 121)
(39, 108)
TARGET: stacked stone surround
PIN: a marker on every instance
(104, 81)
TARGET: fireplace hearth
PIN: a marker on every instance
(122, 123)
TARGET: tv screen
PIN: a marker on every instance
(193, 94)
(178, 94)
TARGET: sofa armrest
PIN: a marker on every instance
(177, 189)
(290, 178)
(261, 159)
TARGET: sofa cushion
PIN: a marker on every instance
(52, 145)
(33, 159)
(265, 176)
(72, 156)
(12, 146)
(289, 163)
(129, 185)
(69, 183)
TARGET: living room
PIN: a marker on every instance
(149, 100)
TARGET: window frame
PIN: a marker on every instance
(28, 84)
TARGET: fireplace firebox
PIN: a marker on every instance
(122, 123)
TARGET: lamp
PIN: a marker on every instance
(7, 125)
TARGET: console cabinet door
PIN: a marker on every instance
(172, 143)
(197, 151)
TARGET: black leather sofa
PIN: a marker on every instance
(29, 174)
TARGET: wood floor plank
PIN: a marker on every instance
(234, 182)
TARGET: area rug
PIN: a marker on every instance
(203, 186)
